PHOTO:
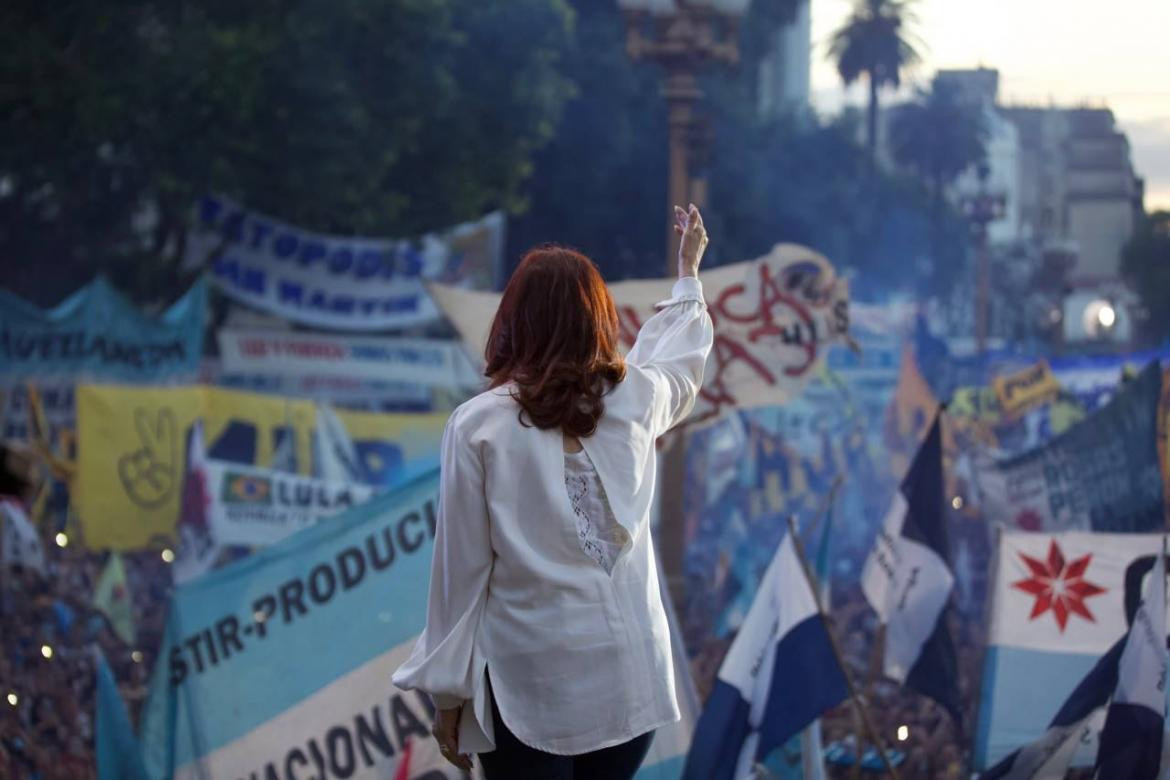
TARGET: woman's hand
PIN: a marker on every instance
(689, 225)
(446, 733)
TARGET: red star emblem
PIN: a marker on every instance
(1059, 586)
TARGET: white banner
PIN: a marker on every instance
(340, 282)
(255, 506)
(774, 319)
(297, 354)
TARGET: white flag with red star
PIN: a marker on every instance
(1058, 603)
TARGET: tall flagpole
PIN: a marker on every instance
(827, 506)
(858, 704)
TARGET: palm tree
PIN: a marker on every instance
(874, 42)
(938, 136)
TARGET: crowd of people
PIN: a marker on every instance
(51, 630)
(735, 524)
(50, 636)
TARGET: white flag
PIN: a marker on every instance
(197, 546)
(22, 546)
(336, 456)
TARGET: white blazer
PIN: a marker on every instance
(579, 660)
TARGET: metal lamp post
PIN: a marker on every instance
(981, 210)
(681, 36)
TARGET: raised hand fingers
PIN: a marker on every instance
(694, 217)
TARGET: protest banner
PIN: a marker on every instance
(774, 319)
(283, 660)
(1025, 388)
(1102, 474)
(1058, 603)
(97, 334)
(298, 354)
(280, 664)
(254, 506)
(359, 395)
(131, 444)
(338, 282)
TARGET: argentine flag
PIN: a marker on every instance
(779, 676)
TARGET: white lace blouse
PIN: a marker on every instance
(600, 534)
(569, 621)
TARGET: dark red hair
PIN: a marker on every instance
(556, 336)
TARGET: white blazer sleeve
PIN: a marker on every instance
(672, 347)
(443, 661)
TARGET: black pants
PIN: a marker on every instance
(513, 760)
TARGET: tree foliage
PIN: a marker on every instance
(600, 185)
(1145, 263)
(874, 42)
(380, 117)
(938, 136)
(810, 184)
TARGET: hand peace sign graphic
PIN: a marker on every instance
(149, 473)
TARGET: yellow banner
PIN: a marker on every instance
(132, 450)
(1022, 389)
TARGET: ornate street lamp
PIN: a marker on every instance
(682, 36)
(981, 209)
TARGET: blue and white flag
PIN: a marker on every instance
(778, 677)
(1061, 607)
(115, 746)
(908, 581)
(1131, 741)
(1077, 723)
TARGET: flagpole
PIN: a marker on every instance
(824, 516)
(827, 507)
(988, 612)
(871, 733)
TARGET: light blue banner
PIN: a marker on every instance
(97, 333)
(285, 657)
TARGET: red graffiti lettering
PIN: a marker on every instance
(628, 325)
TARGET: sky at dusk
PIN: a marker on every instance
(1061, 52)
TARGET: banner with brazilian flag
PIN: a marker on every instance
(254, 506)
(130, 460)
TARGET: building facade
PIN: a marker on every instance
(784, 76)
(1079, 188)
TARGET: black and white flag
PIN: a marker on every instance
(1131, 741)
(908, 580)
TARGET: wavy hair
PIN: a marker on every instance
(555, 336)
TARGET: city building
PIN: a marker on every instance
(1079, 186)
(980, 86)
(784, 73)
(1071, 200)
